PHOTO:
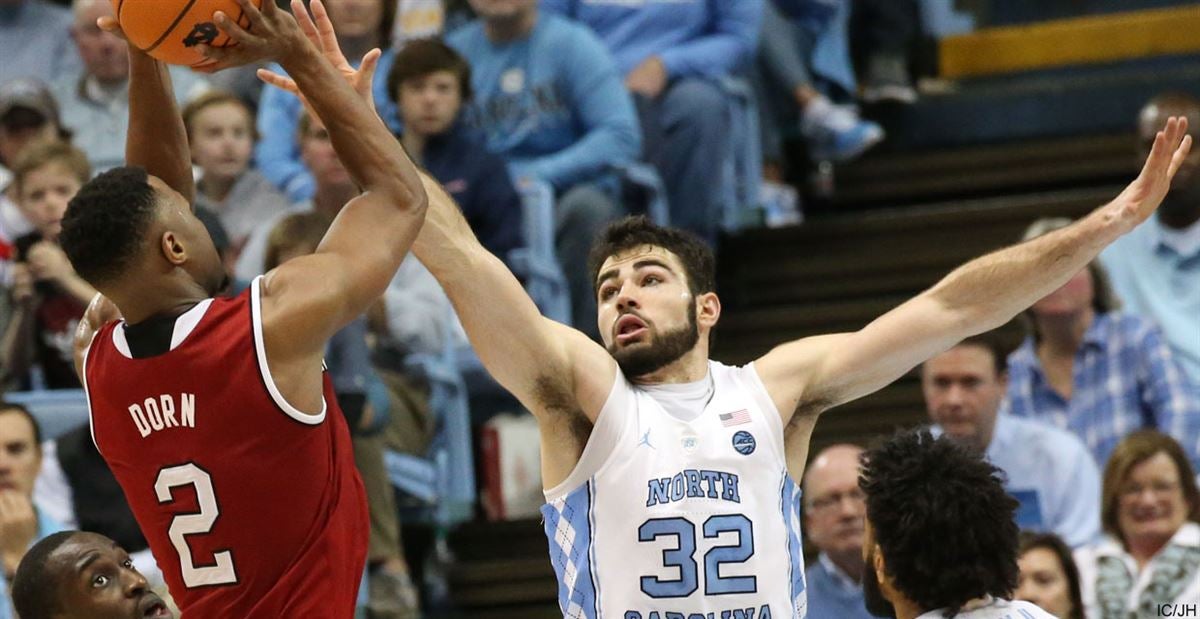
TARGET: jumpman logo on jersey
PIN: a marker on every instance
(646, 440)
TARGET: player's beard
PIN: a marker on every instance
(876, 603)
(663, 350)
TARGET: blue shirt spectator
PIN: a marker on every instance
(277, 154)
(1052, 474)
(552, 103)
(1156, 272)
(831, 593)
(34, 40)
(693, 37)
(1125, 378)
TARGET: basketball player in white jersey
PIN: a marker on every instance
(941, 538)
(666, 473)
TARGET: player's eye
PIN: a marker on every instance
(100, 580)
(607, 292)
(127, 564)
(650, 280)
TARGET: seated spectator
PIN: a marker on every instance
(364, 400)
(418, 314)
(1098, 372)
(361, 26)
(1155, 268)
(430, 83)
(1151, 551)
(1049, 577)
(47, 294)
(28, 114)
(834, 517)
(1049, 471)
(805, 59)
(24, 522)
(77, 575)
(671, 54)
(95, 99)
(548, 98)
(221, 136)
(34, 41)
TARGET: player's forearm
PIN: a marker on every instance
(371, 154)
(989, 291)
(157, 140)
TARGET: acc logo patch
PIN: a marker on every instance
(202, 32)
(744, 442)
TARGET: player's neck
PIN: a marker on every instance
(171, 296)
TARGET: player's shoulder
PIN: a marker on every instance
(1019, 609)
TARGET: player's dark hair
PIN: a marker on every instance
(17, 409)
(942, 520)
(424, 56)
(35, 588)
(105, 223)
(638, 231)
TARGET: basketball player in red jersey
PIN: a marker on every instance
(215, 414)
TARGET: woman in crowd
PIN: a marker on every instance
(1048, 576)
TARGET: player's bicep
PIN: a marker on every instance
(306, 300)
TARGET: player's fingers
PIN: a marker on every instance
(1181, 153)
(328, 37)
(235, 31)
(366, 69)
(277, 80)
(109, 24)
(254, 15)
(304, 20)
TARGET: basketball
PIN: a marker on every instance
(170, 30)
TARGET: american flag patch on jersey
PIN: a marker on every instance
(736, 418)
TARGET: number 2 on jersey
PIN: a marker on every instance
(182, 525)
(683, 556)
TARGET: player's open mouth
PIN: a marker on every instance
(155, 608)
(629, 328)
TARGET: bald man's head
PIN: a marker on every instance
(1182, 205)
(834, 509)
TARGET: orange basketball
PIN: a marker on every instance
(170, 30)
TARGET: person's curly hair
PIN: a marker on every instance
(942, 519)
(105, 223)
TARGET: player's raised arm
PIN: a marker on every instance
(156, 139)
(308, 299)
(547, 365)
(814, 374)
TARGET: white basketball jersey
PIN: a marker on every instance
(668, 519)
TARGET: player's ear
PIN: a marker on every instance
(173, 249)
(708, 309)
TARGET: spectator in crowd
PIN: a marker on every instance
(28, 115)
(418, 316)
(1151, 553)
(364, 400)
(1098, 372)
(221, 136)
(834, 514)
(1155, 268)
(361, 26)
(672, 56)
(94, 100)
(33, 40)
(73, 574)
(47, 294)
(1049, 577)
(805, 61)
(429, 83)
(940, 538)
(22, 521)
(1049, 471)
(549, 100)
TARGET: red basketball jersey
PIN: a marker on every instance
(251, 507)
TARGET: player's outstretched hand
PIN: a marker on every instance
(1146, 192)
(319, 31)
(273, 35)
